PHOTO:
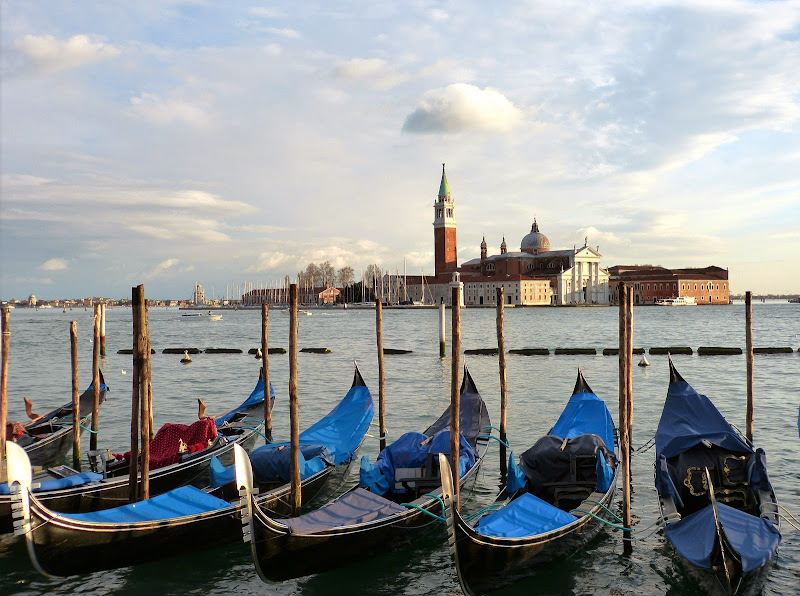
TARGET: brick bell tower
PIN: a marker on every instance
(444, 230)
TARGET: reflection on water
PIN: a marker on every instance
(418, 390)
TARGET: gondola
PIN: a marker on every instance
(46, 439)
(716, 499)
(64, 489)
(187, 519)
(368, 521)
(551, 502)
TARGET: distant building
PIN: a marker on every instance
(707, 285)
(533, 275)
(32, 300)
(199, 294)
(328, 296)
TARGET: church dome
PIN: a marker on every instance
(535, 242)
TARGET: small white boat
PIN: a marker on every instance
(200, 315)
(680, 301)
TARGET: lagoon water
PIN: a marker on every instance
(417, 386)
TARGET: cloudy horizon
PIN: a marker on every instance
(171, 142)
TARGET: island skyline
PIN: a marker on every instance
(173, 142)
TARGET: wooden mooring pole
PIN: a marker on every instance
(95, 378)
(501, 354)
(455, 396)
(625, 357)
(5, 343)
(442, 342)
(381, 374)
(146, 400)
(103, 330)
(265, 371)
(748, 326)
(294, 407)
(76, 402)
(137, 303)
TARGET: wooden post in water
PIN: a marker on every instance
(146, 399)
(76, 402)
(137, 303)
(381, 374)
(748, 325)
(294, 407)
(265, 371)
(95, 378)
(442, 342)
(629, 357)
(501, 353)
(455, 396)
(103, 330)
(6, 342)
(624, 430)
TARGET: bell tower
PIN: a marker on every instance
(444, 230)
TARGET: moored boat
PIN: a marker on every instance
(719, 508)
(389, 509)
(64, 489)
(188, 519)
(47, 438)
(679, 301)
(550, 505)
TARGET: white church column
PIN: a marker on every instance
(574, 283)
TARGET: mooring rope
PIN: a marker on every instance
(89, 429)
(647, 446)
(790, 517)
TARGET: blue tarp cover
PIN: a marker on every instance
(526, 515)
(516, 477)
(754, 538)
(74, 480)
(410, 451)
(255, 398)
(334, 439)
(585, 413)
(186, 500)
(354, 507)
(690, 417)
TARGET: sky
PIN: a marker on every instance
(164, 143)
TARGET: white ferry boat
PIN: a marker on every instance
(680, 301)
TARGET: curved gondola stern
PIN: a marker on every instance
(467, 384)
(19, 481)
(452, 516)
(674, 375)
(581, 386)
(244, 484)
(358, 380)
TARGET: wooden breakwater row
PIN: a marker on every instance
(674, 350)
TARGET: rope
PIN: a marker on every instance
(491, 507)
(788, 521)
(423, 510)
(489, 426)
(89, 429)
(255, 430)
(495, 438)
(647, 446)
(438, 498)
(789, 513)
(600, 519)
(606, 509)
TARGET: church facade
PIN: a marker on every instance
(534, 275)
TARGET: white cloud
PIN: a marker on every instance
(162, 268)
(267, 12)
(286, 33)
(375, 72)
(54, 265)
(160, 110)
(461, 107)
(49, 54)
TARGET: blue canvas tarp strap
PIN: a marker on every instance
(527, 515)
(186, 500)
(755, 539)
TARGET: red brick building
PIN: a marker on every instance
(707, 285)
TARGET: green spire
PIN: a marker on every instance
(444, 189)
